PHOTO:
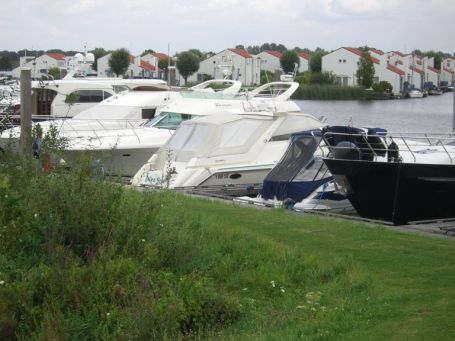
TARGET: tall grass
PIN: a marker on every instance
(82, 259)
(329, 92)
(86, 259)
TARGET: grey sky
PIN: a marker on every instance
(213, 25)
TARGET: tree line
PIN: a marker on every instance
(10, 59)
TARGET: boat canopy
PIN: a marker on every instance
(299, 171)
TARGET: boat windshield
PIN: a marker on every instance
(168, 120)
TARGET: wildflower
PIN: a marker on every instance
(245, 289)
(2, 282)
(36, 215)
(301, 307)
(282, 290)
(143, 240)
(313, 309)
(6, 196)
(323, 308)
(272, 283)
(108, 314)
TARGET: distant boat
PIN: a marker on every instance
(434, 92)
(415, 93)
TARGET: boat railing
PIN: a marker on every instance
(406, 147)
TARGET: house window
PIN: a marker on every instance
(339, 60)
(200, 77)
(344, 60)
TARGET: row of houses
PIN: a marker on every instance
(403, 71)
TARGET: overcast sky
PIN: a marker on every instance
(213, 25)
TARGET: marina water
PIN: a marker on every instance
(429, 114)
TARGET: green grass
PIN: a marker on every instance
(84, 259)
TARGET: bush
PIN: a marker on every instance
(382, 87)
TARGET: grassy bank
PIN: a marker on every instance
(83, 259)
(329, 92)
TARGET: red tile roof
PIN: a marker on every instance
(395, 69)
(242, 52)
(432, 69)
(143, 64)
(379, 52)
(277, 54)
(304, 55)
(401, 54)
(413, 68)
(359, 53)
(400, 62)
(449, 71)
(147, 66)
(160, 55)
(57, 56)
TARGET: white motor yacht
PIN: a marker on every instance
(231, 153)
(49, 98)
(124, 151)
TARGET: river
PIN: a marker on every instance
(430, 114)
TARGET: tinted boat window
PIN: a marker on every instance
(89, 96)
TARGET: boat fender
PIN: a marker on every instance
(288, 203)
(346, 150)
(392, 152)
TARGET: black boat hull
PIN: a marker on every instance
(397, 192)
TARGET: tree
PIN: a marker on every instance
(98, 52)
(288, 61)
(198, 53)
(54, 72)
(119, 61)
(147, 52)
(5, 62)
(316, 60)
(365, 72)
(187, 64)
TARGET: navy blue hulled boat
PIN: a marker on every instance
(395, 178)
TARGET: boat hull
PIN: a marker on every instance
(397, 192)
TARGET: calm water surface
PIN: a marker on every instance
(430, 114)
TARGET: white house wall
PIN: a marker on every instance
(343, 64)
(269, 62)
(246, 70)
(40, 66)
(304, 64)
